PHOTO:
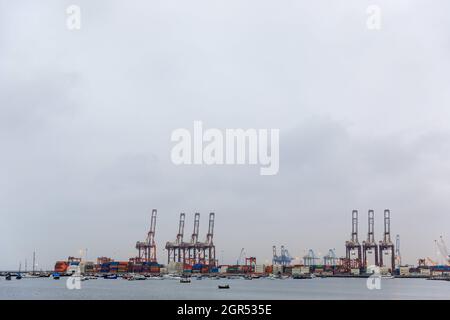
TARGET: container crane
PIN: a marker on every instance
(398, 256)
(241, 254)
(147, 249)
(283, 259)
(330, 259)
(310, 258)
(353, 247)
(442, 250)
(370, 246)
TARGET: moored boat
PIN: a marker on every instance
(185, 280)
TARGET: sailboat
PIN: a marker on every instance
(32, 274)
(19, 275)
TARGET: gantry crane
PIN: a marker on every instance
(370, 245)
(330, 260)
(353, 247)
(147, 249)
(386, 246)
(310, 258)
(398, 256)
(442, 250)
(283, 259)
(194, 251)
(175, 250)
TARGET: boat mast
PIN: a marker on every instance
(34, 260)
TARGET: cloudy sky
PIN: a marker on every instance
(86, 117)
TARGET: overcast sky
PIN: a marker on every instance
(86, 118)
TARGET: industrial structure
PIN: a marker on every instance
(310, 259)
(193, 256)
(442, 251)
(353, 247)
(195, 251)
(370, 246)
(398, 256)
(330, 260)
(357, 255)
(176, 250)
(241, 256)
(147, 249)
(283, 259)
(386, 246)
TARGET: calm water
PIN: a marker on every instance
(329, 288)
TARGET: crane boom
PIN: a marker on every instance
(181, 228)
(240, 256)
(194, 238)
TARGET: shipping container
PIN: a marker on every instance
(260, 268)
(355, 271)
(425, 272)
(163, 270)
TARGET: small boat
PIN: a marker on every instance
(304, 276)
(110, 276)
(137, 277)
(56, 276)
(248, 278)
(225, 286)
(199, 278)
(30, 275)
(387, 277)
(185, 280)
(171, 277)
(8, 276)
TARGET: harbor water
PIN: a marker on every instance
(259, 289)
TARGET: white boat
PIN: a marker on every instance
(171, 277)
(137, 277)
